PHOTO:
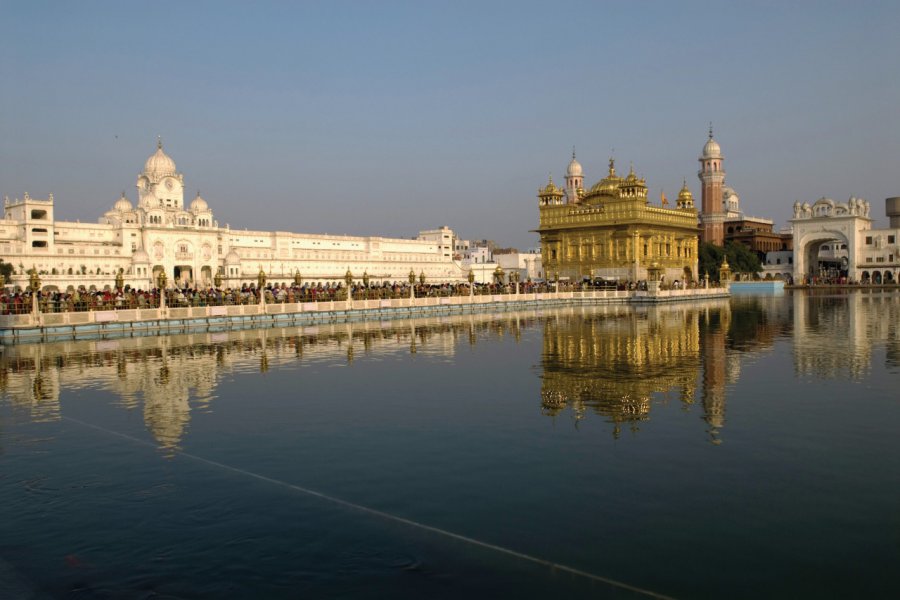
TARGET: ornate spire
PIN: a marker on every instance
(159, 142)
(710, 130)
(612, 166)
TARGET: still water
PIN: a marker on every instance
(733, 449)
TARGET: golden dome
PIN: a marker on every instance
(551, 189)
(610, 184)
(631, 179)
(685, 193)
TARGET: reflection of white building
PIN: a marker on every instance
(169, 378)
(164, 233)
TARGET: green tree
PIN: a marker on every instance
(708, 260)
(6, 269)
(740, 259)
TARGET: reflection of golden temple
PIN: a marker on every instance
(614, 361)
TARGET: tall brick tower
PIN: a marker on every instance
(712, 178)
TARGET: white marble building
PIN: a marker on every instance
(184, 240)
(862, 254)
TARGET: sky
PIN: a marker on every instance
(385, 118)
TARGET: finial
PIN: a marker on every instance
(159, 142)
(710, 130)
(123, 193)
(612, 166)
(573, 152)
(198, 193)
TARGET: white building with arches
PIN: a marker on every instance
(162, 233)
(866, 255)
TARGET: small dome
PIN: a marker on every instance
(140, 256)
(711, 149)
(685, 194)
(159, 163)
(574, 169)
(631, 179)
(550, 190)
(198, 204)
(123, 204)
(232, 258)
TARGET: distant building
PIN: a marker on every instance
(755, 233)
(443, 237)
(163, 234)
(527, 264)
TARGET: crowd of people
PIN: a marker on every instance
(16, 301)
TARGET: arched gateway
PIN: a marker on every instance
(838, 225)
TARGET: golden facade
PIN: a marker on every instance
(612, 230)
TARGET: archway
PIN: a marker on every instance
(184, 275)
(810, 262)
(865, 277)
(888, 277)
(876, 277)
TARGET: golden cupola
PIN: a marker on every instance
(609, 185)
(633, 186)
(685, 198)
(551, 193)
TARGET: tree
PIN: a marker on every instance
(709, 258)
(740, 259)
(6, 269)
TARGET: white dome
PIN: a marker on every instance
(140, 256)
(232, 258)
(711, 149)
(159, 163)
(198, 204)
(122, 204)
(574, 169)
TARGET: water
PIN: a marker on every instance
(741, 449)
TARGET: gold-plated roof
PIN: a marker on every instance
(551, 189)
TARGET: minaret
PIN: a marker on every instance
(712, 178)
(574, 181)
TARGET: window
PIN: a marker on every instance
(891, 239)
(868, 240)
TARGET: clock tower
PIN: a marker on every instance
(712, 178)
(160, 185)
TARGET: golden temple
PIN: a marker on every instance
(612, 231)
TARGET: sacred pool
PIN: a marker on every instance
(729, 448)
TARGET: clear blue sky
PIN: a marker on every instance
(384, 118)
